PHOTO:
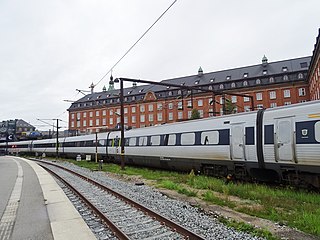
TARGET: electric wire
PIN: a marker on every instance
(136, 42)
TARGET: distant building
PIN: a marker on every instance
(270, 84)
(314, 71)
(16, 129)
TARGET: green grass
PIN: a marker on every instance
(247, 228)
(295, 208)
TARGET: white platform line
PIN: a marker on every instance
(10, 213)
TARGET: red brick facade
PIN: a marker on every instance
(314, 71)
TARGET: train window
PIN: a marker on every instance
(116, 142)
(172, 140)
(143, 141)
(209, 137)
(102, 142)
(155, 140)
(187, 138)
(317, 131)
(132, 141)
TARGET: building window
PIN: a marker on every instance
(111, 121)
(142, 118)
(72, 116)
(170, 116)
(150, 117)
(180, 105)
(200, 103)
(72, 124)
(159, 106)
(133, 119)
(286, 93)
(78, 125)
(201, 113)
(91, 123)
(228, 77)
(271, 80)
(258, 81)
(84, 123)
(118, 111)
(245, 75)
(104, 112)
(246, 108)
(221, 86)
(97, 113)
(97, 122)
(84, 114)
(180, 115)
(189, 104)
(133, 98)
(302, 92)
(233, 85)
(245, 83)
(189, 114)
(284, 69)
(125, 120)
(133, 109)
(259, 106)
(159, 116)
(141, 108)
(170, 93)
(300, 76)
(111, 112)
(285, 78)
(272, 94)
(104, 121)
(264, 72)
(170, 105)
(150, 107)
(259, 96)
(272, 105)
(246, 99)
(210, 87)
(118, 120)
(234, 99)
(303, 64)
(287, 103)
(125, 110)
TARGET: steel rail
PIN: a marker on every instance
(167, 222)
(109, 223)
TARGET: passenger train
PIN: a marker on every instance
(278, 144)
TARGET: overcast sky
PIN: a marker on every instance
(48, 49)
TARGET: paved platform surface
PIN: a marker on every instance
(33, 206)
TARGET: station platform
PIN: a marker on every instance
(33, 206)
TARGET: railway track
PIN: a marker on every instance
(124, 217)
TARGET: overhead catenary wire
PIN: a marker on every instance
(136, 42)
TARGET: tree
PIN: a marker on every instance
(195, 114)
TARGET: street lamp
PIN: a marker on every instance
(122, 140)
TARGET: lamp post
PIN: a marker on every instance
(122, 140)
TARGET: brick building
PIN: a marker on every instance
(314, 71)
(270, 84)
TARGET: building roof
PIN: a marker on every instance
(261, 70)
(315, 54)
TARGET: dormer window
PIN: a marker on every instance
(210, 87)
(245, 83)
(196, 82)
(284, 69)
(212, 80)
(258, 81)
(168, 87)
(300, 76)
(271, 80)
(98, 96)
(108, 95)
(129, 92)
(221, 86)
(233, 85)
(285, 78)
(141, 90)
(228, 77)
(264, 72)
(245, 75)
(133, 98)
(170, 93)
(182, 84)
(179, 92)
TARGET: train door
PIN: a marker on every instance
(237, 147)
(284, 144)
